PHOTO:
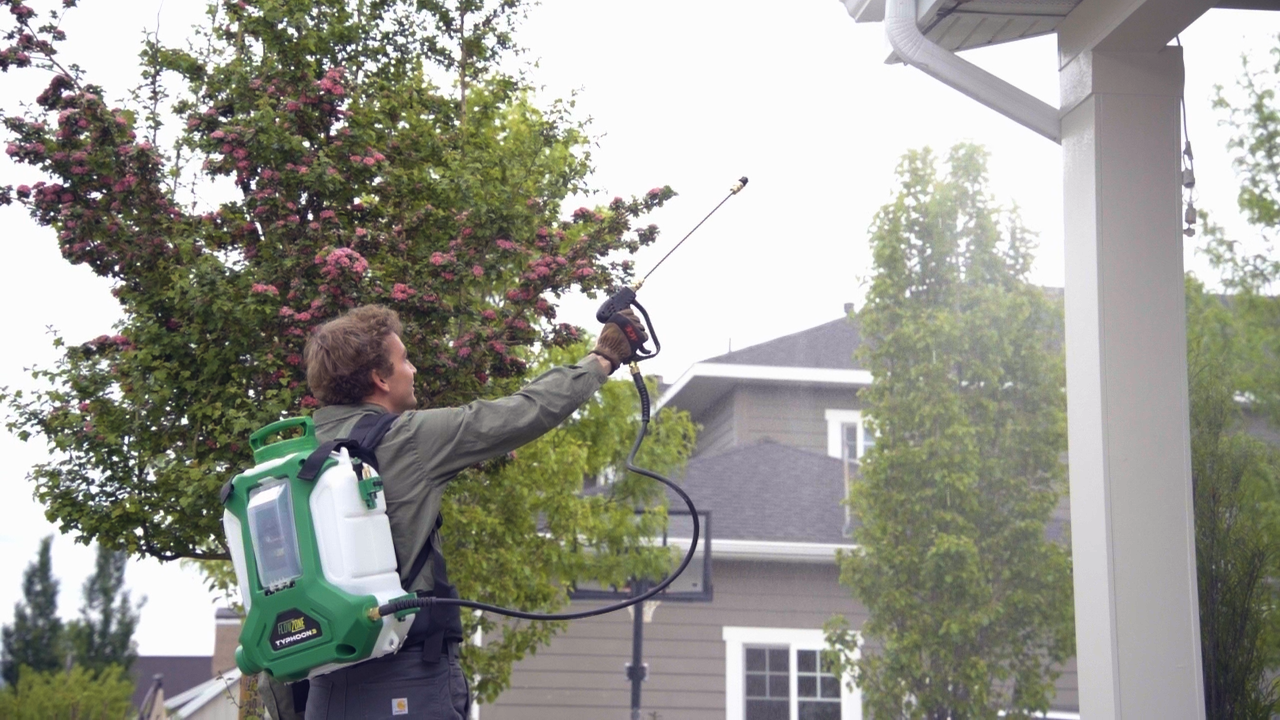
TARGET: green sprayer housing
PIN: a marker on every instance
(312, 557)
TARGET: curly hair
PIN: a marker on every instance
(342, 354)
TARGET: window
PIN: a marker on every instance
(817, 686)
(847, 437)
(768, 681)
(781, 674)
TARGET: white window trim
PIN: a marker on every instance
(735, 641)
(836, 420)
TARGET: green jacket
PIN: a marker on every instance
(425, 449)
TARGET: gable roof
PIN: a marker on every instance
(740, 487)
(179, 673)
(830, 345)
(819, 356)
(224, 688)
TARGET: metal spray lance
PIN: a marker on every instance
(610, 311)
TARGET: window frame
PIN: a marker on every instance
(736, 640)
(837, 419)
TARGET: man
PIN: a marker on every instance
(357, 365)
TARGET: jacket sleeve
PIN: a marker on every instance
(448, 440)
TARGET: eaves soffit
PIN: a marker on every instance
(706, 383)
(966, 24)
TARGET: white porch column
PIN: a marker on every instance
(1137, 623)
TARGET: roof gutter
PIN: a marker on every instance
(919, 52)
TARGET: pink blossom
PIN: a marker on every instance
(338, 260)
(506, 244)
(489, 315)
(437, 258)
(400, 291)
(477, 271)
(310, 402)
(361, 232)
(263, 288)
(370, 161)
(294, 359)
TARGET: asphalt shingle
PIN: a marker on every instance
(829, 345)
(769, 491)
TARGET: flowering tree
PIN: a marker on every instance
(345, 176)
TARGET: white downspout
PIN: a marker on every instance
(918, 51)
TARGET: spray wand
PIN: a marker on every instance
(610, 312)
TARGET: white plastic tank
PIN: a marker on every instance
(355, 547)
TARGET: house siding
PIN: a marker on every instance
(792, 416)
(718, 431)
(580, 675)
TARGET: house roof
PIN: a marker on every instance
(830, 345)
(224, 687)
(740, 487)
(819, 356)
(180, 673)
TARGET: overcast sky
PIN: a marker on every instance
(690, 93)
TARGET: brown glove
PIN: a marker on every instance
(613, 344)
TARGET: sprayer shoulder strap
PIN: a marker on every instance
(361, 442)
(438, 571)
(369, 431)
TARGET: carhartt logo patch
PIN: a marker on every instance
(400, 706)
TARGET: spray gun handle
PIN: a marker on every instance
(611, 312)
(620, 301)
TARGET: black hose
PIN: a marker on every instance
(419, 603)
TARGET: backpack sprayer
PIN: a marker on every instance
(311, 543)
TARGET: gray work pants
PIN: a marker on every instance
(394, 687)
